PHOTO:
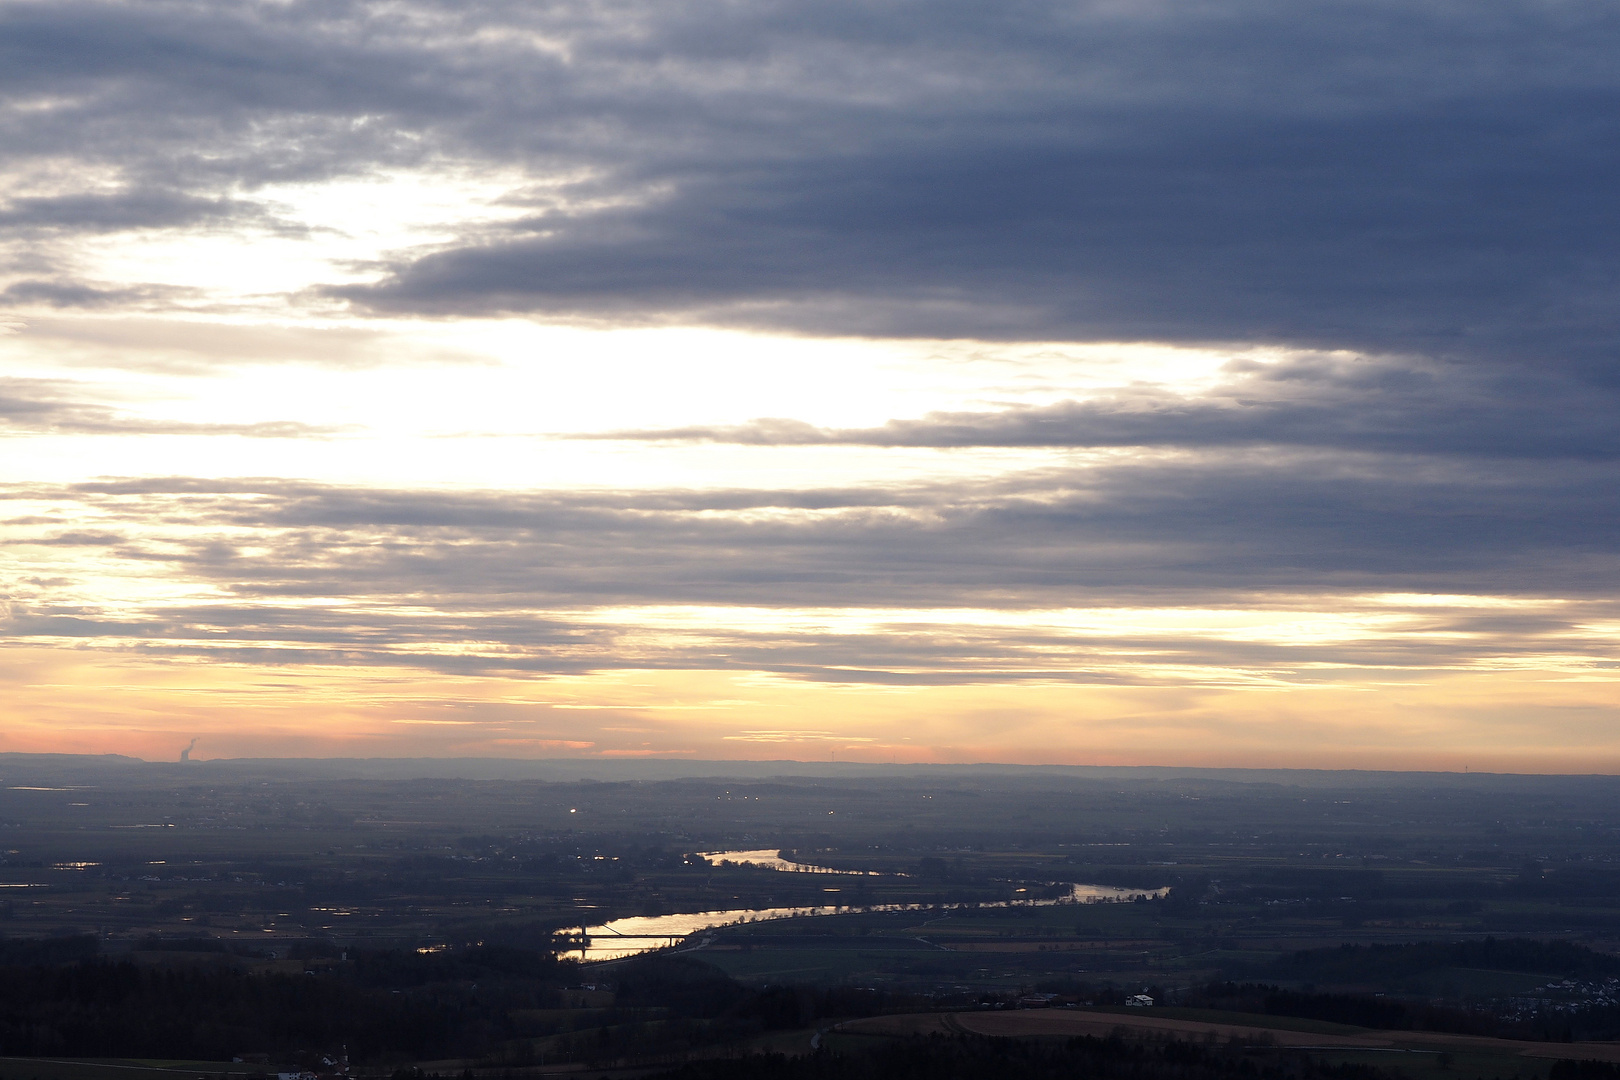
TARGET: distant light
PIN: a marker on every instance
(573, 811)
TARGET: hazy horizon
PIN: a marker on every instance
(588, 767)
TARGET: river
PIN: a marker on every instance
(644, 933)
(768, 858)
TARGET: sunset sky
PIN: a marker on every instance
(1133, 382)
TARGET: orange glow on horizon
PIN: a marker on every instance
(96, 703)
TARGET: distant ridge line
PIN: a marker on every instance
(587, 769)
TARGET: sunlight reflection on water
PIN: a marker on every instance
(644, 933)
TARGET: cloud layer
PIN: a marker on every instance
(1428, 177)
(1393, 222)
(554, 583)
(1387, 406)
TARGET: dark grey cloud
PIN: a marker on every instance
(1177, 527)
(120, 211)
(1390, 406)
(178, 93)
(1417, 178)
(1443, 235)
(62, 407)
(80, 294)
(1296, 174)
(1174, 527)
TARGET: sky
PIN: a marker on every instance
(1167, 382)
